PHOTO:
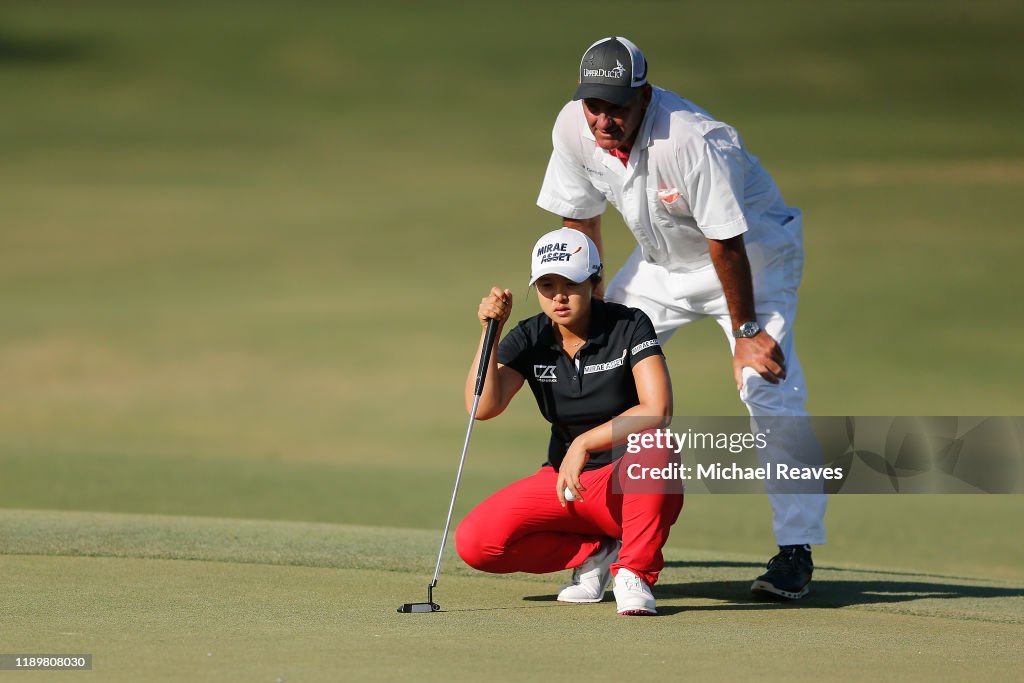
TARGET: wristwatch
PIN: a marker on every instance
(746, 330)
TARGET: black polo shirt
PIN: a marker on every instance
(577, 394)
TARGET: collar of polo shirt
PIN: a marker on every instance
(597, 335)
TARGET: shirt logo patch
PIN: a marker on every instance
(610, 365)
(544, 373)
(646, 345)
(668, 196)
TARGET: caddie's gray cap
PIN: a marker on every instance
(612, 69)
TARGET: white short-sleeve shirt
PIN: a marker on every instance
(689, 178)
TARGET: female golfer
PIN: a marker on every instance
(587, 361)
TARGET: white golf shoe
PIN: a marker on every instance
(633, 597)
(590, 580)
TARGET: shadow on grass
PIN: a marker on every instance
(832, 593)
(825, 594)
(43, 51)
(486, 609)
(758, 567)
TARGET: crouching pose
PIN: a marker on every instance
(587, 361)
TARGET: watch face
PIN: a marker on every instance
(747, 330)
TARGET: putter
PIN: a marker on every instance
(485, 357)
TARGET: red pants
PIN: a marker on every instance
(522, 528)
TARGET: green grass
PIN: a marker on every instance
(166, 598)
(240, 251)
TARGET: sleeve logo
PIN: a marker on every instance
(646, 345)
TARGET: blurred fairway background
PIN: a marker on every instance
(241, 245)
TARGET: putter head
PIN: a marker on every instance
(411, 607)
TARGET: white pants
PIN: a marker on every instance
(672, 300)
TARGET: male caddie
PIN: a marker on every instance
(715, 239)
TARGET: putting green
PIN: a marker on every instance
(175, 598)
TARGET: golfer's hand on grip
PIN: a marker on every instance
(495, 306)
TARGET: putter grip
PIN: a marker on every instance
(485, 355)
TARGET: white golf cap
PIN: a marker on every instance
(565, 252)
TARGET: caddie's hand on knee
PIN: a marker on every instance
(569, 473)
(761, 353)
(495, 306)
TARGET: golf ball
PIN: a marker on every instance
(568, 495)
